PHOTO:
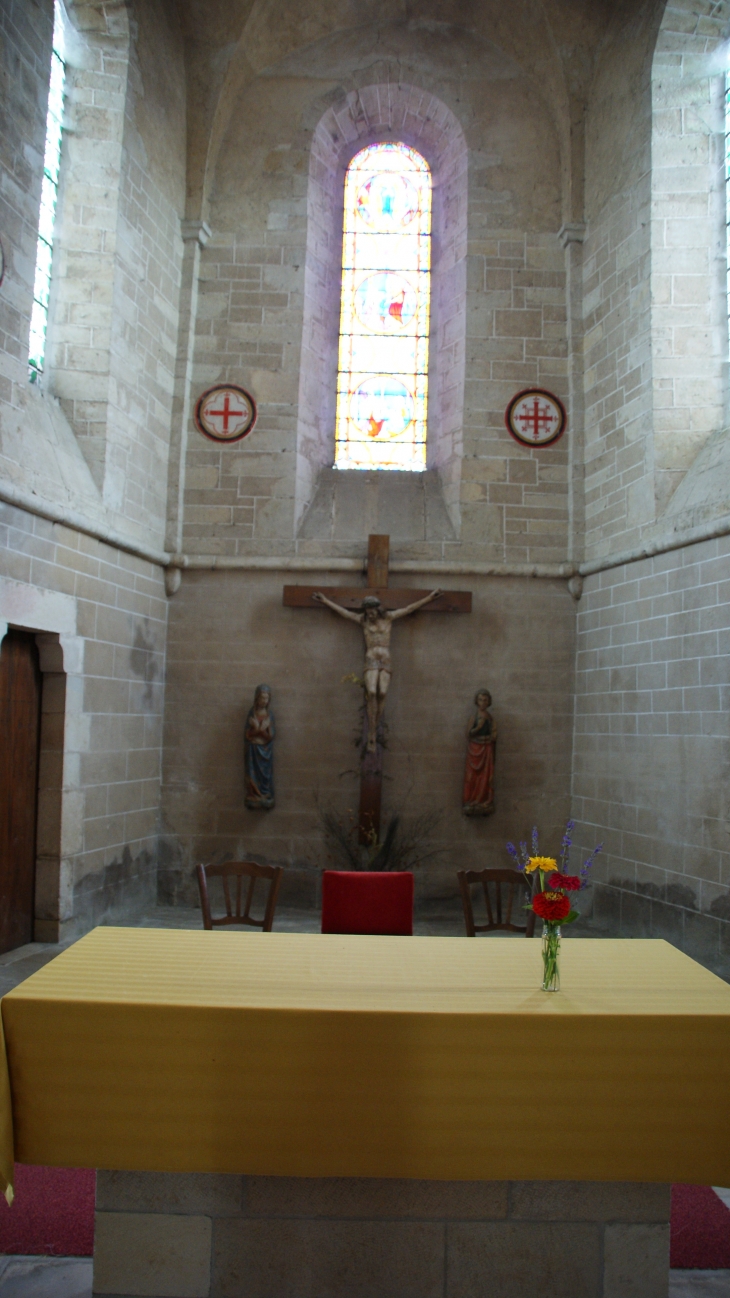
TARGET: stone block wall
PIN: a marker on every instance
(514, 501)
(655, 291)
(100, 784)
(115, 295)
(199, 1236)
(228, 632)
(689, 238)
(651, 755)
(499, 306)
(618, 461)
(99, 612)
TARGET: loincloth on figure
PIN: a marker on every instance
(377, 659)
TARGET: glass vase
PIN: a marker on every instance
(551, 957)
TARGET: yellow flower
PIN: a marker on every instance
(544, 863)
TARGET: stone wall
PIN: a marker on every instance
(100, 612)
(98, 845)
(261, 308)
(27, 32)
(655, 292)
(616, 304)
(114, 306)
(500, 317)
(207, 1236)
(651, 755)
(228, 632)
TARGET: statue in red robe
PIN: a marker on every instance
(478, 797)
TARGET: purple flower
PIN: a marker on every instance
(565, 846)
(589, 862)
(513, 853)
(535, 847)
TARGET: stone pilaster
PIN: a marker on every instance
(571, 236)
(195, 235)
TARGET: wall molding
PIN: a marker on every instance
(12, 495)
(178, 563)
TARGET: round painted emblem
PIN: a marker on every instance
(535, 417)
(225, 413)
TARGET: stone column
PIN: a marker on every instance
(195, 236)
(199, 1236)
(571, 236)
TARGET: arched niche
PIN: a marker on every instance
(419, 119)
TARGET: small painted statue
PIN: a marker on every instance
(259, 752)
(478, 797)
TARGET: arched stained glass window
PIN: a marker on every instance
(382, 383)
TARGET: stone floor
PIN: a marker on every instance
(60, 1277)
(45, 1277)
(53, 1277)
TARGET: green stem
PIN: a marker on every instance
(551, 949)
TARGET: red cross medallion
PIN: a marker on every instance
(225, 413)
(535, 417)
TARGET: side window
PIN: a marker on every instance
(49, 196)
(382, 382)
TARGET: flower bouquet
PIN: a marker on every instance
(551, 889)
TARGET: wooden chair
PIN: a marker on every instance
(513, 881)
(240, 870)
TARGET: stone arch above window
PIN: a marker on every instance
(376, 114)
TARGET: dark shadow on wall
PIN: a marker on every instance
(622, 908)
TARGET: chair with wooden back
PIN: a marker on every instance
(499, 915)
(240, 870)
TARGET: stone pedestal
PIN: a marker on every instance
(199, 1236)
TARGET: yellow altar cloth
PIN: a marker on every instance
(323, 1055)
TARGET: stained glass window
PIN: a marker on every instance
(382, 382)
(49, 195)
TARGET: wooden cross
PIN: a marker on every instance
(351, 597)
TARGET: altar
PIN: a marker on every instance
(302, 1114)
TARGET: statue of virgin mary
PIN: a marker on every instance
(259, 752)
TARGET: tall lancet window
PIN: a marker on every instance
(49, 196)
(382, 383)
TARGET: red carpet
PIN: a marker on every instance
(700, 1235)
(53, 1212)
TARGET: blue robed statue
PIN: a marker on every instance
(259, 752)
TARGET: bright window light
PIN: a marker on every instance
(382, 383)
(49, 196)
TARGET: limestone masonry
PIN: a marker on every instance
(579, 245)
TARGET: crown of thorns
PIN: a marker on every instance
(371, 601)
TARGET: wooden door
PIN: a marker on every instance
(20, 717)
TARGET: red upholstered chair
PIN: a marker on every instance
(364, 901)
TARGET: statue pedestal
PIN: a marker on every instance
(206, 1236)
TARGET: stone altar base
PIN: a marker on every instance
(199, 1236)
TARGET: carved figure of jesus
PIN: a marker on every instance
(377, 625)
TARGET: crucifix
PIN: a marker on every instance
(375, 608)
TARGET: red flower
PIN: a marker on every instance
(551, 905)
(568, 882)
